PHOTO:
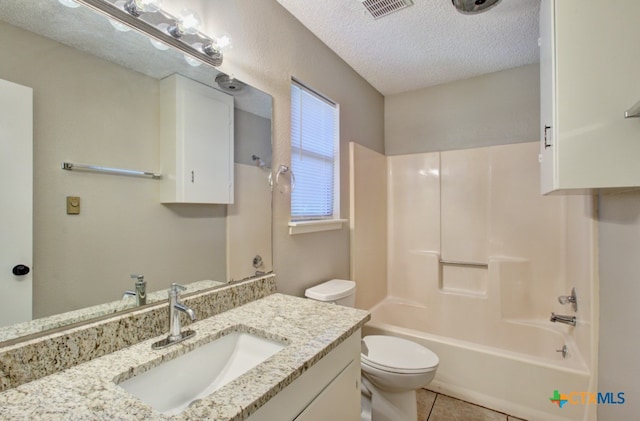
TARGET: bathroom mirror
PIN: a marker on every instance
(96, 102)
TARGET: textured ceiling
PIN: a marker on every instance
(427, 44)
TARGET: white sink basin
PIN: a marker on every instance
(173, 385)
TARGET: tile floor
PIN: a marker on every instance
(434, 406)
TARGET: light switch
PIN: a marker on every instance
(73, 205)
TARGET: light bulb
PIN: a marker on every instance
(224, 42)
(159, 44)
(189, 21)
(148, 6)
(151, 6)
(137, 7)
(192, 61)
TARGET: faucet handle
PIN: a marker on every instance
(570, 299)
(138, 278)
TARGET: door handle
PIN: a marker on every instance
(546, 145)
(20, 270)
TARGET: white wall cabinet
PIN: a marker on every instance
(196, 142)
(589, 70)
(329, 390)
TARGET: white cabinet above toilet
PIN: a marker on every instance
(196, 142)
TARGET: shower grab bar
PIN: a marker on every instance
(69, 166)
(464, 264)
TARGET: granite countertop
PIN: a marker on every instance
(75, 316)
(309, 329)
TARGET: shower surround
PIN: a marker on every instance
(488, 317)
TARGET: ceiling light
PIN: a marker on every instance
(471, 7)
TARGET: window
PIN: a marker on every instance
(314, 157)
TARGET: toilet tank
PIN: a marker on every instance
(337, 291)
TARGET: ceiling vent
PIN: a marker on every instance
(382, 8)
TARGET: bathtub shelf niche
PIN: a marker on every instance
(464, 278)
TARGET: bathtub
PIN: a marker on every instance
(511, 367)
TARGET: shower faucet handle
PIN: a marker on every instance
(570, 299)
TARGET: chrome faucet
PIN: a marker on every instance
(141, 290)
(568, 320)
(175, 307)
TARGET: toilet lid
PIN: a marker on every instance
(397, 355)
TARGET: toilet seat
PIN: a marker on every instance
(397, 355)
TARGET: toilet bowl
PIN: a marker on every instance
(392, 368)
(396, 364)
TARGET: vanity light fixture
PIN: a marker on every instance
(187, 23)
(138, 7)
(162, 28)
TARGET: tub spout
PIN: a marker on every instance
(568, 320)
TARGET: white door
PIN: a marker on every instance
(16, 212)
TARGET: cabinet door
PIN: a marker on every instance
(340, 400)
(595, 68)
(547, 66)
(207, 130)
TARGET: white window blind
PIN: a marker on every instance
(314, 155)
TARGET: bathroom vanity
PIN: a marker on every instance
(315, 374)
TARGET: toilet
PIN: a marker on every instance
(392, 368)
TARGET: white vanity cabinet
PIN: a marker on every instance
(589, 77)
(329, 390)
(196, 142)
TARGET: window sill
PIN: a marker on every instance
(304, 227)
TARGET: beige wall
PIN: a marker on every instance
(90, 111)
(269, 47)
(248, 225)
(619, 368)
(494, 109)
